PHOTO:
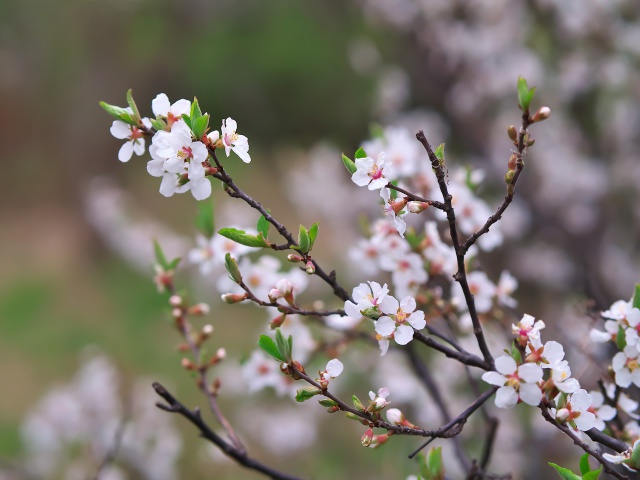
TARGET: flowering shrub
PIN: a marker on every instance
(438, 298)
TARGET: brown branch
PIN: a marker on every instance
(462, 356)
(460, 276)
(594, 453)
(240, 456)
(414, 197)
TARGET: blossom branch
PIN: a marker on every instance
(460, 276)
(234, 191)
(462, 356)
(417, 198)
(194, 416)
(594, 453)
(523, 135)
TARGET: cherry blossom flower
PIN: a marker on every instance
(625, 403)
(561, 377)
(379, 400)
(631, 332)
(198, 183)
(602, 411)
(527, 329)
(366, 296)
(407, 272)
(547, 355)
(333, 369)
(576, 411)
(517, 383)
(626, 368)
(134, 136)
(260, 371)
(507, 284)
(161, 107)
(481, 288)
(396, 209)
(230, 140)
(624, 457)
(398, 315)
(374, 173)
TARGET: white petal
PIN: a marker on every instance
(408, 304)
(243, 154)
(417, 321)
(384, 346)
(351, 309)
(231, 125)
(334, 367)
(586, 421)
(530, 372)
(530, 394)
(155, 168)
(138, 146)
(214, 136)
(160, 105)
(404, 334)
(494, 378)
(125, 152)
(607, 412)
(570, 385)
(385, 326)
(120, 130)
(200, 152)
(618, 362)
(623, 378)
(360, 178)
(182, 106)
(168, 184)
(506, 365)
(506, 397)
(389, 305)
(580, 400)
(201, 188)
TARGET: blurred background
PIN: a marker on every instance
(305, 81)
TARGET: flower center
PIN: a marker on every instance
(375, 172)
(632, 363)
(513, 381)
(136, 133)
(229, 138)
(401, 316)
(185, 153)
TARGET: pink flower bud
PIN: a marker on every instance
(542, 114)
(367, 438)
(207, 329)
(417, 207)
(232, 298)
(199, 309)
(221, 353)
(276, 322)
(395, 416)
(562, 414)
(187, 364)
(176, 312)
(310, 268)
(175, 301)
(292, 257)
(274, 294)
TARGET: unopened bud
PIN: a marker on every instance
(508, 178)
(562, 414)
(531, 142)
(199, 309)
(221, 353)
(175, 301)
(232, 298)
(367, 438)
(274, 294)
(513, 160)
(276, 322)
(310, 268)
(395, 416)
(187, 364)
(417, 207)
(207, 329)
(512, 132)
(542, 114)
(292, 257)
(176, 312)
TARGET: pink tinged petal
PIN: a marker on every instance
(334, 367)
(125, 152)
(586, 421)
(506, 365)
(607, 412)
(155, 168)
(623, 378)
(494, 378)
(506, 397)
(385, 326)
(570, 385)
(120, 130)
(530, 372)
(201, 188)
(404, 334)
(351, 310)
(389, 305)
(160, 105)
(417, 321)
(530, 394)
(408, 304)
(138, 147)
(182, 106)
(168, 184)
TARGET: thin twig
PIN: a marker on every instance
(174, 406)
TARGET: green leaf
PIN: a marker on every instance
(515, 353)
(132, 104)
(290, 346)
(592, 475)
(159, 125)
(187, 120)
(267, 345)
(440, 152)
(232, 268)
(304, 242)
(621, 341)
(205, 219)
(283, 346)
(263, 226)
(360, 153)
(327, 402)
(243, 238)
(349, 164)
(195, 109)
(584, 464)
(305, 393)
(313, 233)
(357, 404)
(199, 125)
(525, 94)
(174, 263)
(119, 113)
(160, 256)
(565, 473)
(431, 466)
(636, 296)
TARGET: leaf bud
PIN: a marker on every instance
(512, 132)
(508, 178)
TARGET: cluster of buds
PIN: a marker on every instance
(283, 289)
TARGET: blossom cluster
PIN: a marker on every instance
(179, 152)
